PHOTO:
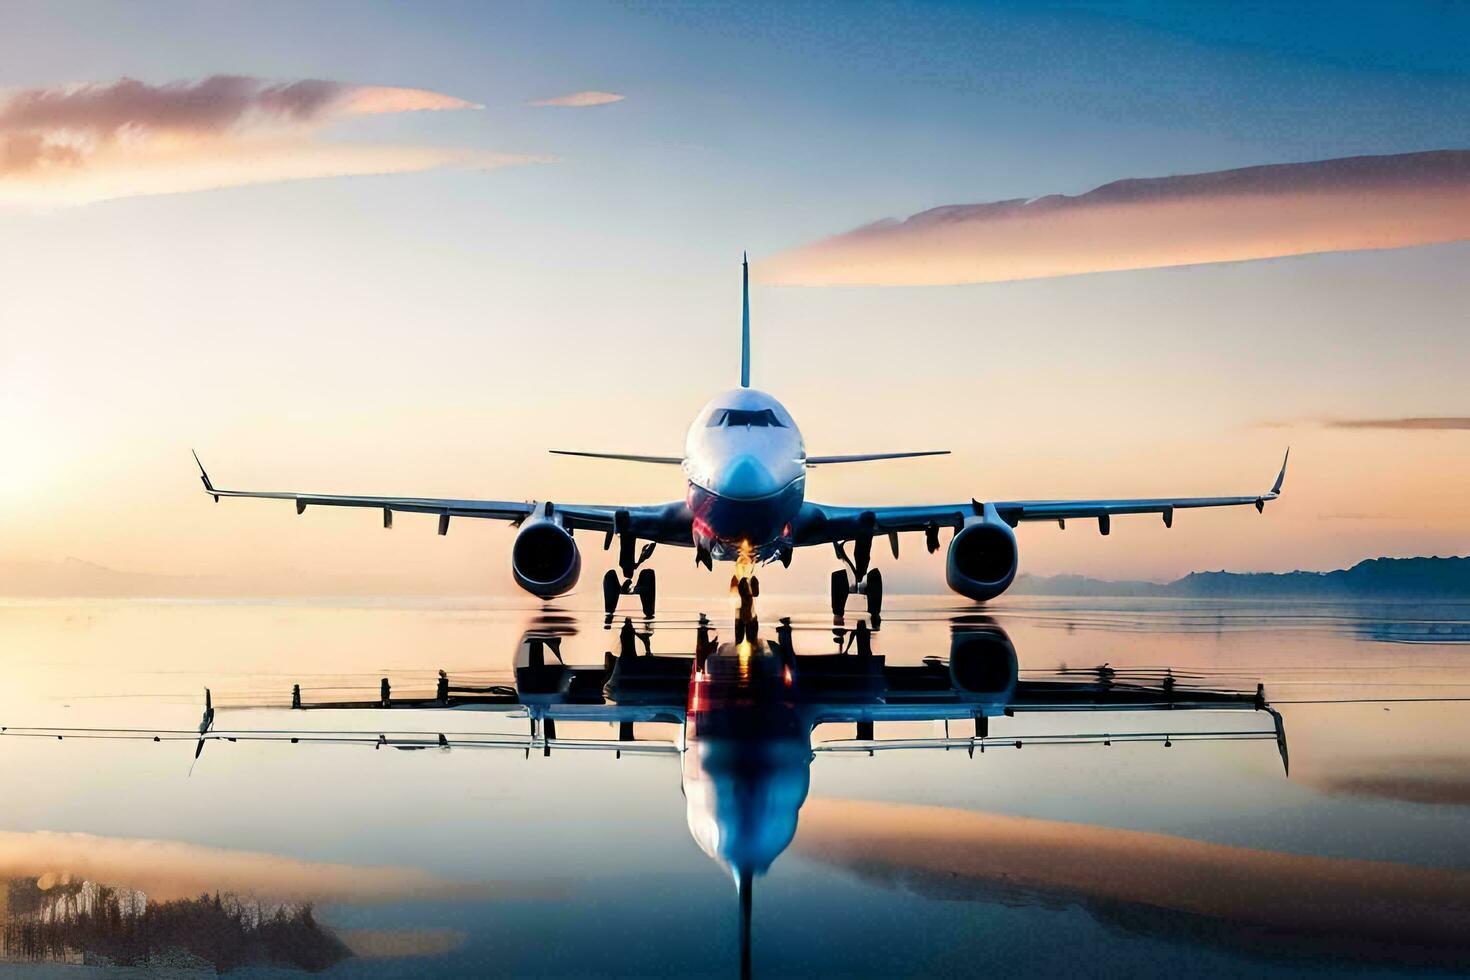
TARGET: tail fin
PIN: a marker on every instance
(744, 321)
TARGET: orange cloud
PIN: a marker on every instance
(1442, 780)
(1349, 907)
(1439, 423)
(1225, 216)
(81, 143)
(167, 870)
(581, 100)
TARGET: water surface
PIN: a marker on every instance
(1206, 856)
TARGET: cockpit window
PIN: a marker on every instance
(742, 416)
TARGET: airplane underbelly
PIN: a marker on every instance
(724, 522)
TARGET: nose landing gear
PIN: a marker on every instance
(645, 588)
(747, 588)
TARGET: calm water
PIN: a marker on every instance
(1203, 856)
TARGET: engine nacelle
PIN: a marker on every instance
(544, 559)
(982, 558)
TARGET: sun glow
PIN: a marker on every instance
(28, 459)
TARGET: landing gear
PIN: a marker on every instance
(646, 589)
(746, 631)
(873, 589)
(746, 589)
(612, 586)
(862, 580)
(840, 591)
(870, 586)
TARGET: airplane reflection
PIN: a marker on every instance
(747, 712)
(748, 717)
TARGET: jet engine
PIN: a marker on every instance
(544, 558)
(982, 558)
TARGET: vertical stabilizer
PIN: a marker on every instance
(744, 321)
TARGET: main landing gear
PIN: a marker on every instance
(870, 586)
(645, 588)
(857, 578)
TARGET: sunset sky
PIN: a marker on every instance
(405, 249)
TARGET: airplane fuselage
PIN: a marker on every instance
(745, 464)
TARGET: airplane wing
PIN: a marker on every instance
(663, 522)
(869, 457)
(624, 457)
(825, 523)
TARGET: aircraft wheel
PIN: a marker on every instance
(646, 590)
(839, 592)
(611, 589)
(874, 592)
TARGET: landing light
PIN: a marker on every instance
(745, 560)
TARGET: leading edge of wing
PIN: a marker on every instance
(667, 523)
(870, 457)
(1047, 510)
(832, 522)
(625, 457)
(496, 509)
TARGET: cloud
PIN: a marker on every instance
(80, 143)
(1415, 423)
(581, 100)
(1442, 781)
(1347, 204)
(1426, 423)
(1240, 896)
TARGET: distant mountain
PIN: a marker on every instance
(75, 577)
(1375, 578)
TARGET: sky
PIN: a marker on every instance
(405, 249)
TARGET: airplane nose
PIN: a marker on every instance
(746, 477)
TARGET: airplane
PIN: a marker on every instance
(744, 467)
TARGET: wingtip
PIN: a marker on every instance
(1281, 476)
(204, 476)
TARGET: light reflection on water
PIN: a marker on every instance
(1114, 859)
